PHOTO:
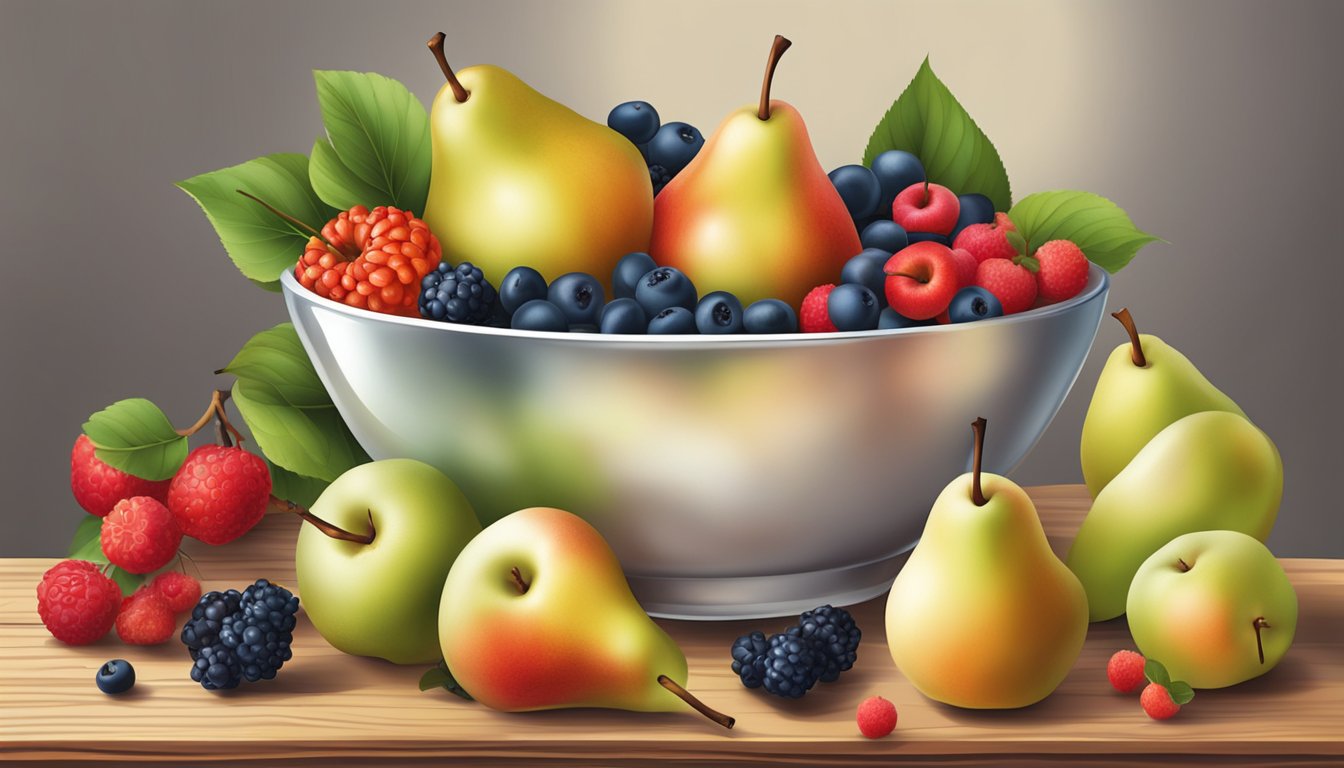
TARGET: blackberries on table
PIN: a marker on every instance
(235, 636)
(818, 648)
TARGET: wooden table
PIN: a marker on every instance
(326, 708)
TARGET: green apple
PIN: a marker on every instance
(381, 597)
(1214, 607)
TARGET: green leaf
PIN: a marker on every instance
(293, 487)
(89, 529)
(1016, 240)
(1181, 693)
(1156, 673)
(1098, 226)
(287, 409)
(136, 437)
(87, 544)
(928, 121)
(261, 244)
(439, 677)
(379, 148)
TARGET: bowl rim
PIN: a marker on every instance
(1098, 282)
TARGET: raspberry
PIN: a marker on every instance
(76, 602)
(1012, 284)
(988, 241)
(1125, 670)
(178, 589)
(219, 493)
(139, 535)
(460, 295)
(98, 486)
(145, 619)
(814, 316)
(1062, 273)
(876, 717)
(383, 256)
(1157, 702)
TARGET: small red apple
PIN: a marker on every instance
(926, 207)
(921, 280)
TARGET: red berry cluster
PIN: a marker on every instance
(1128, 671)
(79, 604)
(370, 259)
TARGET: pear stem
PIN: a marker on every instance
(329, 529)
(518, 580)
(1260, 624)
(436, 47)
(302, 226)
(978, 493)
(777, 50)
(1136, 350)
(726, 721)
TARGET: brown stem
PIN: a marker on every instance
(322, 525)
(518, 580)
(1136, 351)
(1260, 624)
(978, 493)
(436, 47)
(726, 721)
(1184, 566)
(777, 50)
(925, 204)
(302, 226)
(215, 410)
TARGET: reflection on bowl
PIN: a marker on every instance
(735, 476)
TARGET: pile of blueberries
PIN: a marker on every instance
(666, 148)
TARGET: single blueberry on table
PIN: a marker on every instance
(672, 320)
(852, 307)
(770, 316)
(539, 315)
(519, 286)
(884, 234)
(718, 312)
(623, 316)
(579, 295)
(973, 303)
(635, 120)
(674, 146)
(858, 189)
(115, 676)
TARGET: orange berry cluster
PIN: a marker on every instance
(375, 260)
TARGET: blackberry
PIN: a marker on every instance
(236, 636)
(457, 295)
(202, 629)
(749, 658)
(659, 176)
(790, 666)
(834, 639)
(216, 669)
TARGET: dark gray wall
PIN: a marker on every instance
(1216, 124)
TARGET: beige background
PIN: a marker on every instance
(1216, 124)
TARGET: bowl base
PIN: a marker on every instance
(759, 597)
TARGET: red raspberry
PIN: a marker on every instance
(145, 619)
(219, 493)
(966, 267)
(76, 602)
(1125, 670)
(988, 241)
(98, 486)
(179, 590)
(814, 317)
(139, 535)
(1012, 284)
(384, 254)
(1157, 702)
(1063, 271)
(876, 717)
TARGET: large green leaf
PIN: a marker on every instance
(378, 151)
(1098, 226)
(928, 121)
(136, 437)
(261, 244)
(287, 409)
(296, 488)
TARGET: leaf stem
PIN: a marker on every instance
(727, 721)
(302, 226)
(777, 49)
(436, 47)
(215, 410)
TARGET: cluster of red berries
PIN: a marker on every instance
(1128, 671)
(371, 259)
(79, 604)
(1055, 271)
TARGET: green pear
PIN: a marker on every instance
(520, 179)
(1210, 470)
(536, 614)
(1214, 607)
(374, 554)
(1144, 386)
(984, 615)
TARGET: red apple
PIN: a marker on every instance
(926, 207)
(988, 241)
(921, 280)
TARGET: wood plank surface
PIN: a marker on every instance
(326, 708)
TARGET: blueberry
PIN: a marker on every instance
(975, 209)
(674, 145)
(625, 276)
(973, 303)
(929, 237)
(115, 676)
(672, 320)
(663, 287)
(623, 316)
(866, 269)
(895, 170)
(859, 189)
(890, 318)
(887, 235)
(521, 285)
(719, 312)
(770, 316)
(539, 315)
(635, 120)
(853, 307)
(579, 295)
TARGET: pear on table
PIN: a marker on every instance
(983, 615)
(754, 214)
(520, 179)
(536, 614)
